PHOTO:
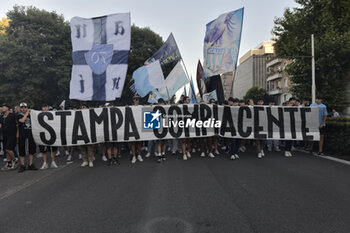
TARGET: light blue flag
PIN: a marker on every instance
(154, 97)
(221, 43)
(209, 96)
(192, 93)
(147, 78)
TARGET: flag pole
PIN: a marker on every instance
(233, 79)
(313, 88)
(183, 63)
(167, 93)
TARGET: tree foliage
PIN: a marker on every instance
(329, 21)
(36, 57)
(255, 93)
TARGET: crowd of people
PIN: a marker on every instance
(17, 140)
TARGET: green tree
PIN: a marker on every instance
(35, 57)
(329, 21)
(255, 93)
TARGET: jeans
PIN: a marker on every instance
(272, 143)
(235, 143)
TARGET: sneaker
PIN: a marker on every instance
(115, 161)
(67, 152)
(80, 156)
(104, 158)
(159, 160)
(259, 155)
(184, 157)
(5, 160)
(262, 153)
(163, 156)
(7, 166)
(320, 154)
(223, 148)
(233, 157)
(148, 155)
(211, 155)
(1, 152)
(277, 149)
(269, 149)
(44, 166)
(203, 154)
(173, 153)
(193, 150)
(14, 163)
(22, 168)
(139, 158)
(84, 164)
(53, 165)
(91, 164)
(236, 155)
(287, 154)
(133, 160)
(58, 153)
(32, 167)
(217, 152)
(109, 162)
(188, 154)
(69, 159)
(293, 148)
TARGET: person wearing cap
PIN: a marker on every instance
(47, 149)
(25, 138)
(8, 123)
(136, 147)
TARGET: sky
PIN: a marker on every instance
(186, 19)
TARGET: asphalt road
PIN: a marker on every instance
(275, 194)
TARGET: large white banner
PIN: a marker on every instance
(143, 123)
(100, 56)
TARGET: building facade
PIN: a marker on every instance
(226, 80)
(252, 69)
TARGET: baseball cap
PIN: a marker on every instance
(6, 105)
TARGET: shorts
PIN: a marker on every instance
(44, 149)
(162, 142)
(111, 144)
(9, 142)
(323, 130)
(22, 145)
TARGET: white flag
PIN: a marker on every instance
(175, 80)
(100, 56)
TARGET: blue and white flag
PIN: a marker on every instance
(209, 96)
(169, 52)
(100, 56)
(221, 43)
(154, 97)
(175, 80)
(147, 78)
(192, 93)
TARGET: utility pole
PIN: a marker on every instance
(313, 69)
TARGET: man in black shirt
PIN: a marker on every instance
(25, 138)
(8, 123)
